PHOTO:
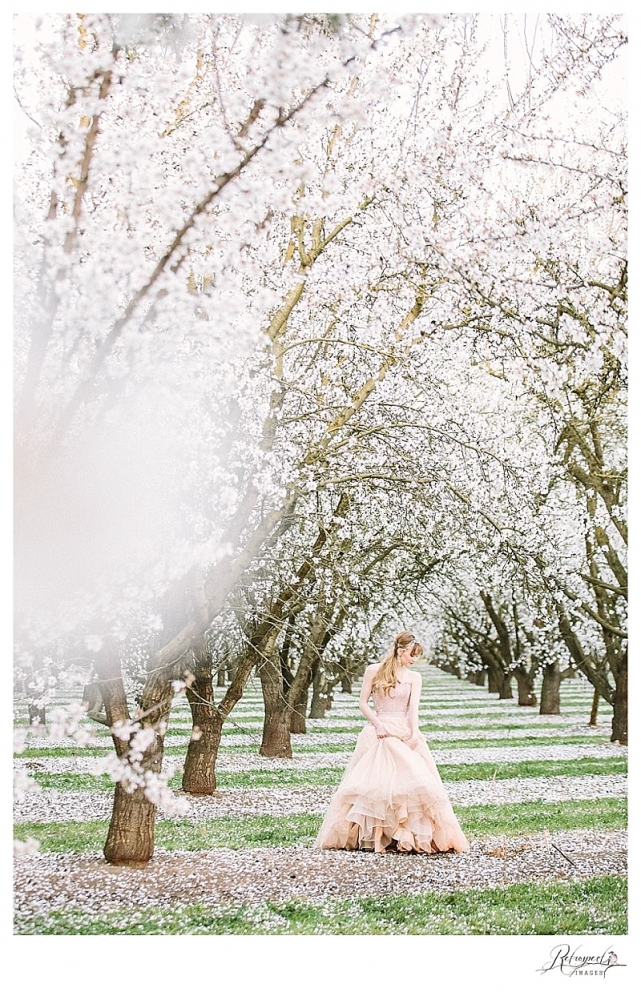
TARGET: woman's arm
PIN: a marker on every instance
(363, 702)
(415, 698)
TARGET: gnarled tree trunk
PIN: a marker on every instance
(199, 777)
(130, 839)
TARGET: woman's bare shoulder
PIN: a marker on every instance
(374, 667)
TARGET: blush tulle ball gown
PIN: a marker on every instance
(391, 795)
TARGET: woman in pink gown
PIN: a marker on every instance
(391, 796)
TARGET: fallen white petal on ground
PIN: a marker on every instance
(310, 741)
(338, 759)
(57, 806)
(64, 882)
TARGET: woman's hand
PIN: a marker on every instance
(412, 741)
(380, 730)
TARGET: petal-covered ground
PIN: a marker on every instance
(519, 778)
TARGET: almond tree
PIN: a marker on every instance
(114, 142)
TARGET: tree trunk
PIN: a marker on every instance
(525, 688)
(620, 702)
(92, 697)
(346, 684)
(504, 649)
(37, 716)
(505, 689)
(493, 680)
(594, 712)
(589, 665)
(309, 664)
(220, 677)
(479, 677)
(298, 695)
(298, 725)
(317, 708)
(199, 777)
(130, 839)
(276, 742)
(131, 831)
(550, 690)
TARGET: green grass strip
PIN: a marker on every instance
(533, 740)
(300, 829)
(484, 771)
(514, 819)
(292, 777)
(590, 906)
(67, 752)
(303, 746)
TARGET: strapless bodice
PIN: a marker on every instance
(396, 702)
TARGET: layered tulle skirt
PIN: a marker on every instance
(391, 796)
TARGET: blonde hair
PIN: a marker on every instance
(385, 678)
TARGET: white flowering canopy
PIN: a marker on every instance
(267, 262)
